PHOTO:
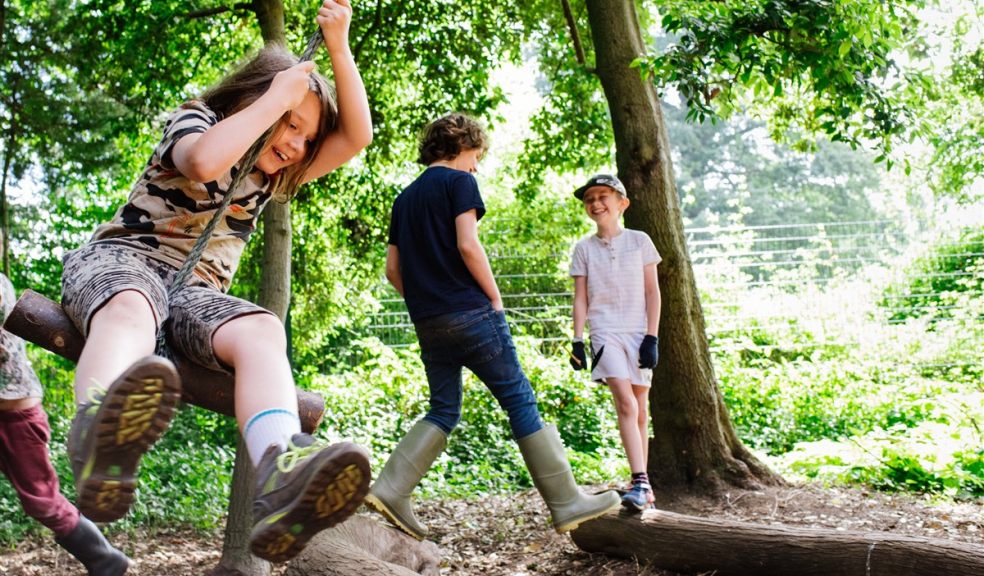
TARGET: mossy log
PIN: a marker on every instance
(37, 319)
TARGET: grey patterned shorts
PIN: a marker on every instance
(98, 271)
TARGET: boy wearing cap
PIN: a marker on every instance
(436, 262)
(616, 292)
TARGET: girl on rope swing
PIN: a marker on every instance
(115, 289)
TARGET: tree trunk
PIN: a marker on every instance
(275, 297)
(691, 544)
(237, 560)
(694, 447)
(4, 206)
(275, 276)
(44, 322)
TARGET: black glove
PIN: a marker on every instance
(649, 352)
(578, 360)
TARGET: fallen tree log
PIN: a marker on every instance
(37, 319)
(691, 544)
(361, 546)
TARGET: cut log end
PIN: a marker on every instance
(361, 545)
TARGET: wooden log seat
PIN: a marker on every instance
(42, 321)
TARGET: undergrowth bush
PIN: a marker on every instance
(379, 400)
(893, 406)
(945, 279)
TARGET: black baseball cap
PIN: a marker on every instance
(601, 180)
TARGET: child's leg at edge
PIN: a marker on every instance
(641, 394)
(123, 331)
(255, 346)
(628, 410)
(25, 461)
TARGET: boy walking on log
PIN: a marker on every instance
(24, 459)
(437, 263)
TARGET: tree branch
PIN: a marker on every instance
(205, 13)
(572, 26)
(377, 19)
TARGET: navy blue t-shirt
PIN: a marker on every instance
(435, 278)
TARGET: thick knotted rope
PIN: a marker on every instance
(246, 166)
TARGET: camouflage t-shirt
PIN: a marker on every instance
(166, 212)
(17, 377)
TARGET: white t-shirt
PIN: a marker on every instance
(616, 285)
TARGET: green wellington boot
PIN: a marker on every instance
(390, 493)
(547, 462)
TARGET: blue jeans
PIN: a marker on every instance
(480, 341)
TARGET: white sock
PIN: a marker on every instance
(275, 426)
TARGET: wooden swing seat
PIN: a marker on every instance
(42, 321)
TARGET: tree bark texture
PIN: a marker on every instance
(690, 544)
(4, 206)
(44, 322)
(361, 546)
(694, 445)
(275, 276)
(237, 560)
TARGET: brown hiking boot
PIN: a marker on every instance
(303, 490)
(114, 429)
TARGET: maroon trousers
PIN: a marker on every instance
(24, 436)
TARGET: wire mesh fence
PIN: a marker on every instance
(828, 278)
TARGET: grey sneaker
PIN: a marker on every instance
(114, 429)
(303, 490)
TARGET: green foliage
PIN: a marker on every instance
(819, 65)
(957, 101)
(899, 409)
(385, 393)
(948, 277)
(729, 173)
(187, 478)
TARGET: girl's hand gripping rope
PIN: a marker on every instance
(334, 18)
(290, 86)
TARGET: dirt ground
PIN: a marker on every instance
(509, 535)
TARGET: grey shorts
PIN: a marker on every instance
(96, 272)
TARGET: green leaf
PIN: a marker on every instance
(844, 48)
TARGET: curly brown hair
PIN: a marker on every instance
(446, 137)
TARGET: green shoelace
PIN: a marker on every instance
(287, 461)
(94, 397)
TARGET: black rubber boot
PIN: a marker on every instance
(91, 548)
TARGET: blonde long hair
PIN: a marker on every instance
(244, 86)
